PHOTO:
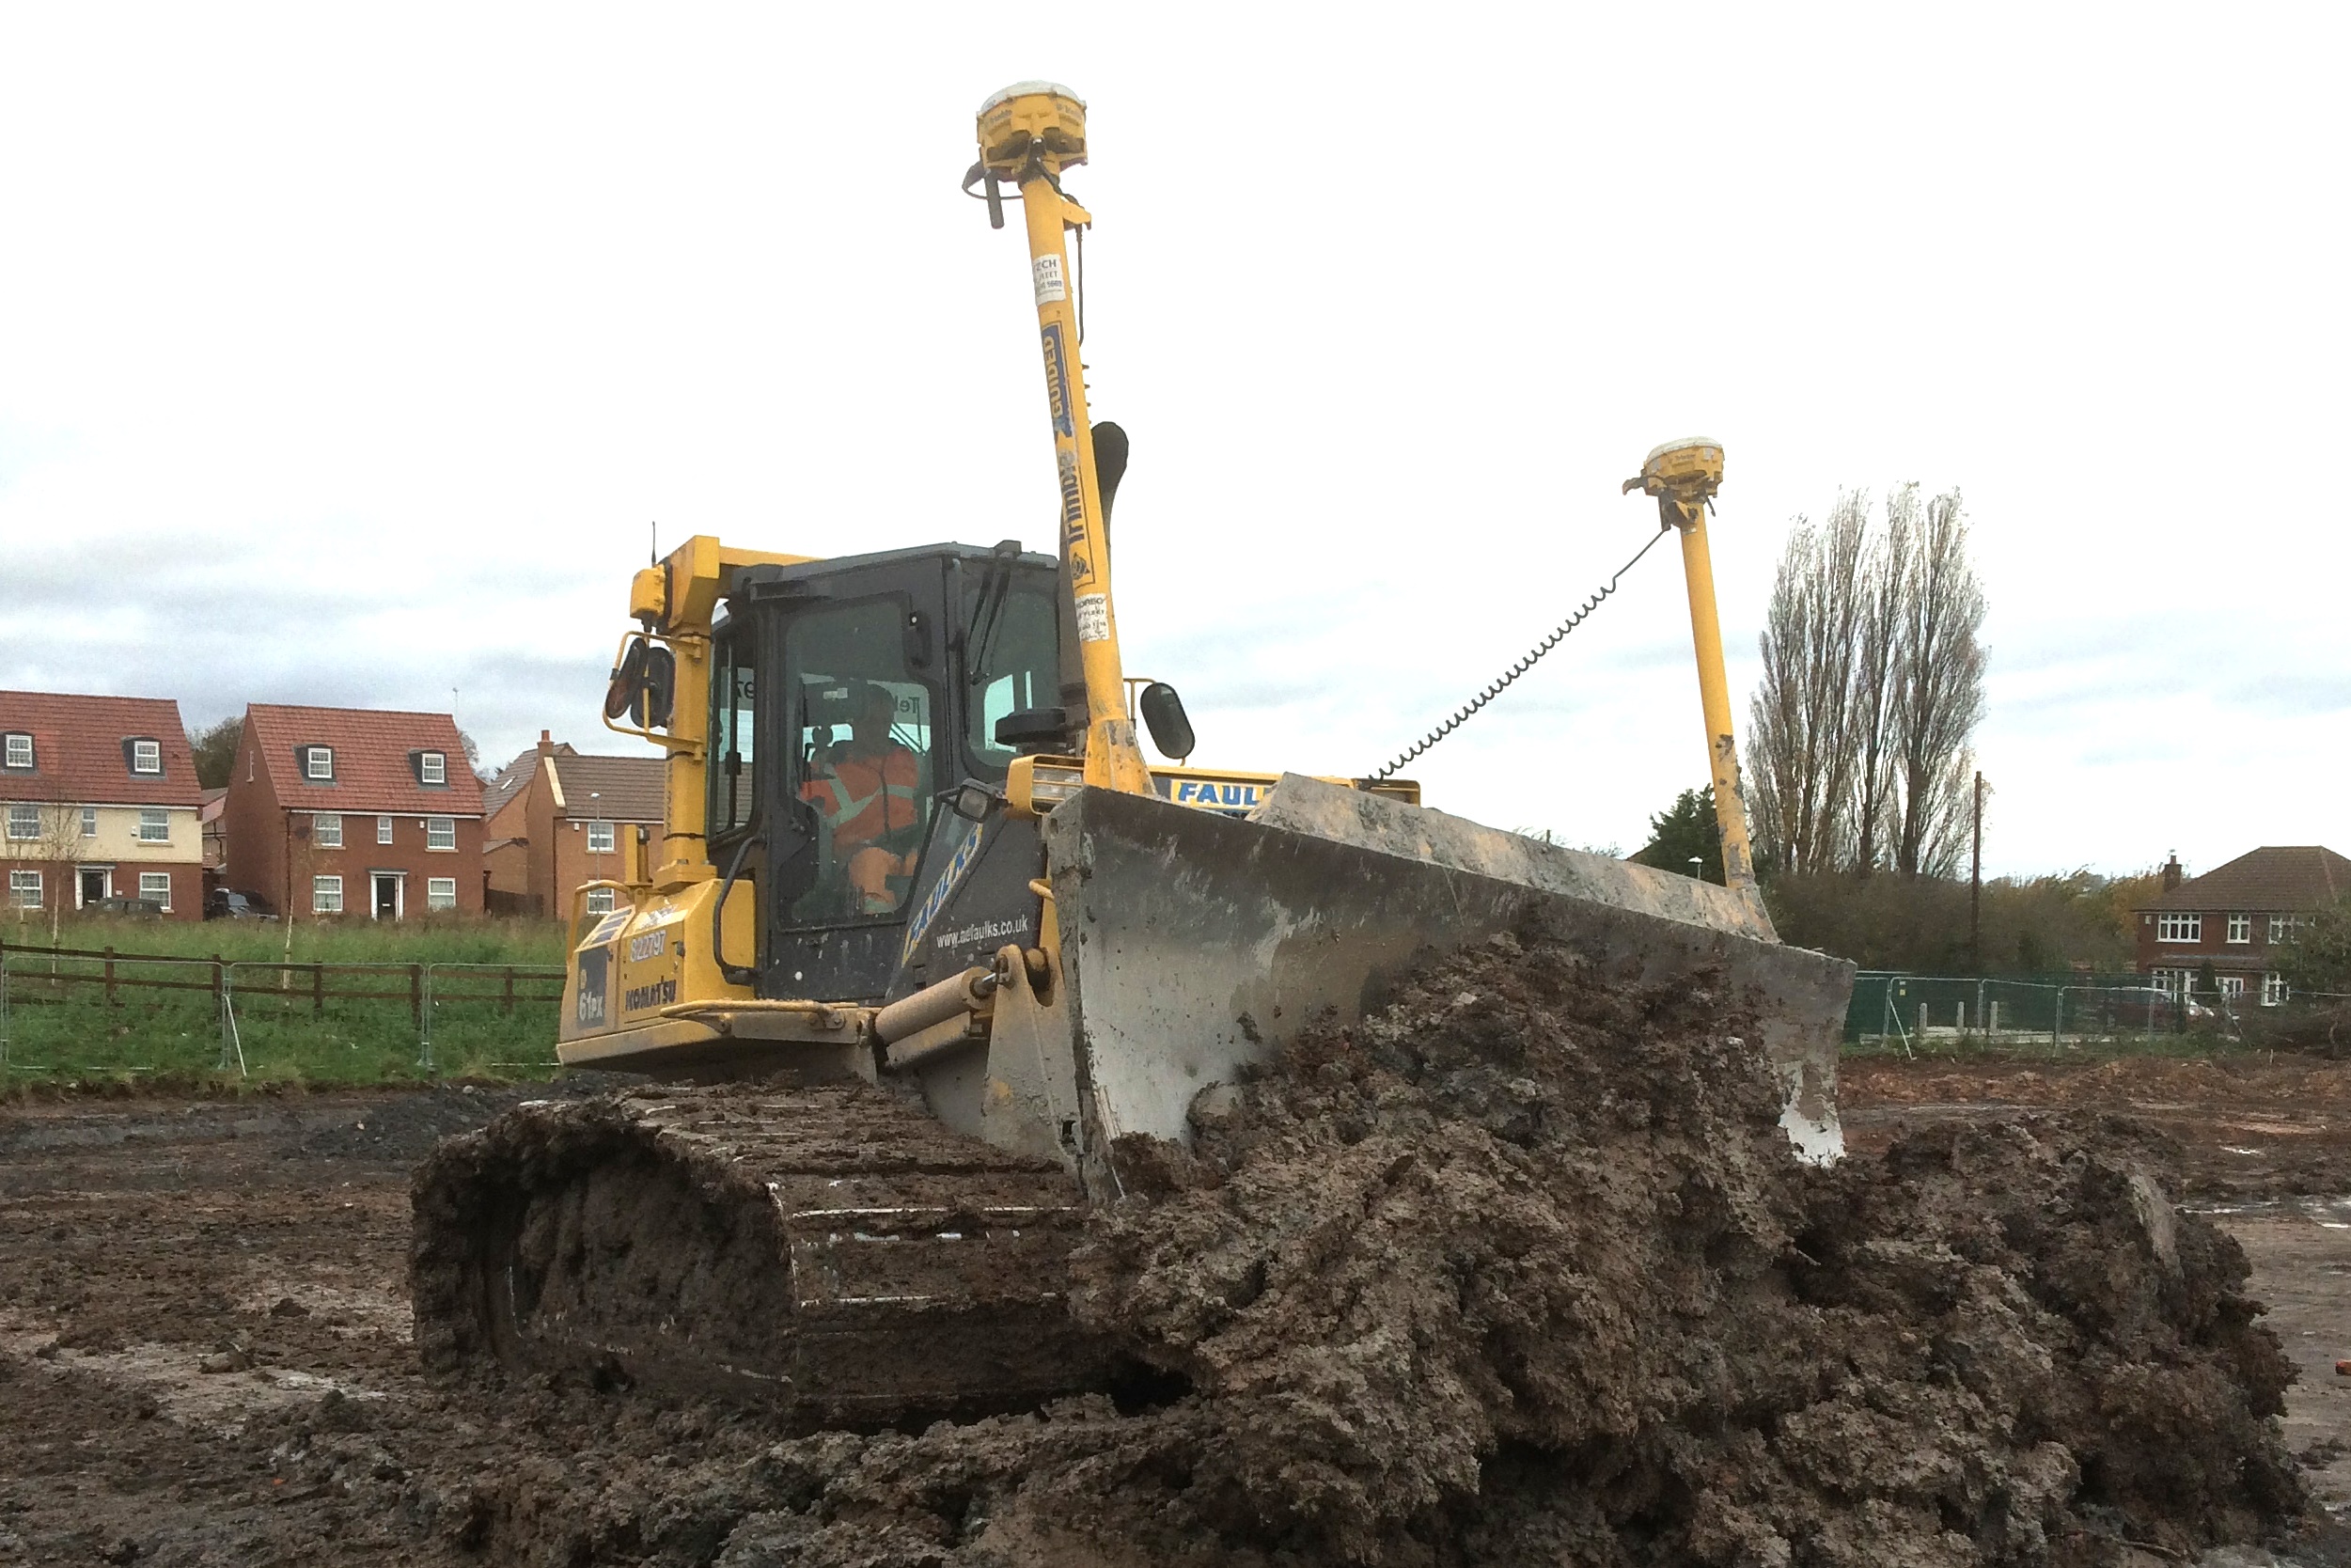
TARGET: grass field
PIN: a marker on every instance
(483, 994)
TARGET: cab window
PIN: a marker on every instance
(1014, 666)
(861, 770)
(733, 732)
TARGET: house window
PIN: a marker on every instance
(25, 889)
(20, 752)
(2232, 986)
(319, 763)
(2240, 928)
(326, 895)
(433, 767)
(2284, 928)
(2178, 983)
(156, 885)
(440, 892)
(2179, 927)
(154, 826)
(89, 822)
(23, 822)
(600, 901)
(600, 838)
(146, 756)
(440, 833)
(326, 830)
(384, 830)
(2273, 990)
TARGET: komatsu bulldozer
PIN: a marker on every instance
(971, 953)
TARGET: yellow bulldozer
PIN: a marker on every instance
(969, 955)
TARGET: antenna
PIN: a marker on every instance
(655, 560)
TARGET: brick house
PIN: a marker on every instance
(564, 817)
(2235, 916)
(100, 801)
(506, 832)
(353, 811)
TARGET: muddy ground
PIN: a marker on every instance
(205, 1351)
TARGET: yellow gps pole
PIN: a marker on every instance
(1684, 476)
(1029, 133)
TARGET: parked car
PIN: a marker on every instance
(136, 908)
(2151, 1006)
(225, 903)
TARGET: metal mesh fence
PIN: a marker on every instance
(1917, 1013)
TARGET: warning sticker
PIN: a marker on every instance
(1093, 618)
(1049, 286)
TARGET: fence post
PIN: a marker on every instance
(318, 991)
(1921, 1023)
(424, 1012)
(507, 1002)
(3, 1013)
(2057, 1019)
(110, 974)
(417, 994)
(220, 1013)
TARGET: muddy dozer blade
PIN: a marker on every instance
(830, 1252)
(1197, 945)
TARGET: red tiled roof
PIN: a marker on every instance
(372, 771)
(78, 750)
(2275, 878)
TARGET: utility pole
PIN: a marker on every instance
(1975, 884)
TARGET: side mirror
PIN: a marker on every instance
(1163, 715)
(643, 685)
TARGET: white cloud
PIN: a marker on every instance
(350, 354)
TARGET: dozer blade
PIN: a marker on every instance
(830, 1252)
(1197, 945)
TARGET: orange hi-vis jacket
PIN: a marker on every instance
(867, 796)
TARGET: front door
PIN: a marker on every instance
(96, 883)
(387, 896)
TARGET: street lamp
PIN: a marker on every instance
(1697, 868)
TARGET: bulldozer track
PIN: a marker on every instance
(829, 1251)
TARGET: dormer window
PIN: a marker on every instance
(147, 757)
(18, 752)
(433, 767)
(318, 762)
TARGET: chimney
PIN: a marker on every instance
(546, 743)
(2173, 874)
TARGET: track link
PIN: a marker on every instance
(830, 1251)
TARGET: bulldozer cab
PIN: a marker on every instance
(847, 696)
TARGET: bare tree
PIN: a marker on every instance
(1801, 752)
(45, 836)
(1877, 697)
(1873, 685)
(1940, 672)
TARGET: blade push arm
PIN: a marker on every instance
(1029, 133)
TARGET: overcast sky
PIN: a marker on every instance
(346, 354)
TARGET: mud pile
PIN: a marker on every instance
(1522, 1271)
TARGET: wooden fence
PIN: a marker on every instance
(41, 976)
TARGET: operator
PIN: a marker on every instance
(870, 796)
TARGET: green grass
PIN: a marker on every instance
(343, 941)
(57, 1030)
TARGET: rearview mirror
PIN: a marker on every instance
(1163, 715)
(643, 684)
